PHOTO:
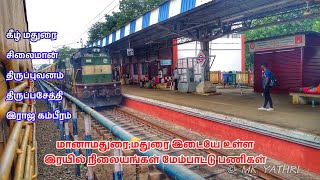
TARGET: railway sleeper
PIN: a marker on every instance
(108, 137)
(102, 132)
(128, 152)
(157, 175)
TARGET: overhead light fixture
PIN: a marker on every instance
(150, 42)
(308, 10)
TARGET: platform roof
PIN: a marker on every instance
(200, 20)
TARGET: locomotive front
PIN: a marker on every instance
(93, 81)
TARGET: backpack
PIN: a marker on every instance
(273, 81)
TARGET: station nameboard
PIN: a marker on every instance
(281, 43)
(130, 52)
(166, 62)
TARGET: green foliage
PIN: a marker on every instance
(65, 52)
(96, 31)
(129, 9)
(278, 30)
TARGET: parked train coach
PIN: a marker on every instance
(88, 76)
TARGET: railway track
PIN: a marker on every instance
(148, 131)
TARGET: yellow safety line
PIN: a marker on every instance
(135, 139)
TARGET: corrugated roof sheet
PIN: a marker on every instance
(164, 11)
(186, 5)
(122, 29)
(132, 26)
(146, 19)
(113, 36)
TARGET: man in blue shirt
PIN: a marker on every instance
(266, 78)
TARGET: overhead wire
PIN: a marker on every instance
(99, 19)
(87, 30)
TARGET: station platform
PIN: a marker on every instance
(231, 102)
(290, 134)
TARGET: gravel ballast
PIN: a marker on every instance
(47, 135)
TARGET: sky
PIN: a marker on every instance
(69, 18)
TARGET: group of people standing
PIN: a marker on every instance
(266, 78)
(117, 76)
(157, 79)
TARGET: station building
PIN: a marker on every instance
(293, 59)
(228, 52)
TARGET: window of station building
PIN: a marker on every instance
(164, 71)
(144, 69)
(128, 71)
(135, 69)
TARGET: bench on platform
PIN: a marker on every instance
(301, 98)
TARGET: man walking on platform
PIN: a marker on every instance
(266, 78)
(176, 77)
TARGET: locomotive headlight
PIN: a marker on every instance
(85, 87)
(96, 50)
(86, 94)
(117, 92)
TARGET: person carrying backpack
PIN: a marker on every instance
(267, 77)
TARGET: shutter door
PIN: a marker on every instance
(311, 66)
(285, 65)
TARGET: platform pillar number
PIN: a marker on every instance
(202, 59)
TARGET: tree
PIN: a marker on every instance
(95, 31)
(65, 52)
(278, 30)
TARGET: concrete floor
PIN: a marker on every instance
(231, 102)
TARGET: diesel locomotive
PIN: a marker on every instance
(89, 77)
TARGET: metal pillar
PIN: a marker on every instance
(53, 108)
(56, 105)
(118, 173)
(121, 63)
(75, 135)
(138, 171)
(61, 122)
(205, 48)
(66, 124)
(48, 104)
(87, 124)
